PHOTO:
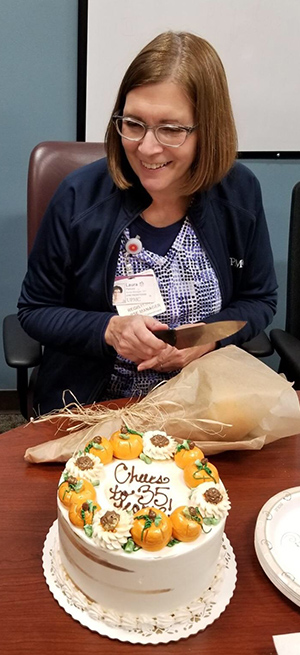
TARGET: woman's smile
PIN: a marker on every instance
(154, 166)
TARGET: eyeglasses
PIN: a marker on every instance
(167, 135)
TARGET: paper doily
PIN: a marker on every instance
(89, 614)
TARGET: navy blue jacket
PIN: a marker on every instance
(66, 297)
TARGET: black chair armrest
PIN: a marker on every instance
(259, 346)
(20, 350)
(288, 348)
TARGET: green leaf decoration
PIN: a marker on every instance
(203, 467)
(188, 515)
(126, 437)
(133, 431)
(91, 505)
(83, 517)
(173, 542)
(88, 529)
(129, 546)
(211, 520)
(93, 444)
(77, 487)
(183, 446)
(148, 523)
(145, 458)
(65, 476)
(95, 483)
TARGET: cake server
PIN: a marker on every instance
(197, 335)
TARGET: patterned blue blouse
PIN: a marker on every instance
(190, 290)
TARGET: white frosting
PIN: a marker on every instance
(142, 622)
(132, 485)
(210, 510)
(158, 452)
(112, 540)
(92, 474)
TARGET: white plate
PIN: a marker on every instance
(87, 613)
(277, 541)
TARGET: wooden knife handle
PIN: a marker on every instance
(168, 336)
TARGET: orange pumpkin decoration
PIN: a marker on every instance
(126, 443)
(75, 490)
(186, 522)
(187, 453)
(200, 471)
(152, 529)
(100, 447)
(83, 513)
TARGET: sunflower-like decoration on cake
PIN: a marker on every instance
(158, 445)
(211, 499)
(86, 466)
(111, 529)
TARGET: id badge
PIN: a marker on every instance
(138, 294)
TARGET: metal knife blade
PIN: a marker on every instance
(197, 335)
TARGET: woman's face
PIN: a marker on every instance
(161, 169)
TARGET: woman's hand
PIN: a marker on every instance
(132, 338)
(172, 359)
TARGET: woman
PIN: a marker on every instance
(170, 218)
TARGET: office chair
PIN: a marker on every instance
(287, 342)
(49, 163)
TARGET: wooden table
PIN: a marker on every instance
(32, 621)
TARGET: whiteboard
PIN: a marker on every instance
(257, 40)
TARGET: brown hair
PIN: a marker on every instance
(191, 62)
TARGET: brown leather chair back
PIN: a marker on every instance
(49, 164)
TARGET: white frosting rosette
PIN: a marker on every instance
(217, 507)
(155, 451)
(89, 472)
(112, 539)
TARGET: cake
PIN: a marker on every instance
(141, 520)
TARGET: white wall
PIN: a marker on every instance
(257, 40)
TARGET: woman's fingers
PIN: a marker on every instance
(172, 359)
(161, 361)
(131, 336)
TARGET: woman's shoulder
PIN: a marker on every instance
(84, 188)
(88, 177)
(240, 188)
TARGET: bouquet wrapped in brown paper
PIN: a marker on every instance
(226, 400)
